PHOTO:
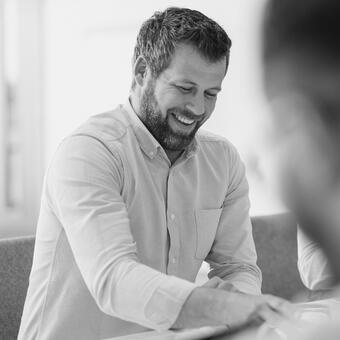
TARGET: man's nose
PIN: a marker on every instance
(197, 105)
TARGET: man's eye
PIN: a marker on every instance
(211, 95)
(184, 89)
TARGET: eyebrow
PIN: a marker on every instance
(217, 88)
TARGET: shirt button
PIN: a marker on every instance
(172, 216)
(151, 154)
(174, 260)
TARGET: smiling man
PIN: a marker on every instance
(187, 92)
(136, 199)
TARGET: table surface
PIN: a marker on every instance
(309, 313)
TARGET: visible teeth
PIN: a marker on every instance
(184, 120)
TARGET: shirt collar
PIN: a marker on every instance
(146, 140)
(192, 148)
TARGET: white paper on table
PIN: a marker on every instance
(183, 334)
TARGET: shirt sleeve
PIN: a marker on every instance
(312, 264)
(84, 183)
(233, 255)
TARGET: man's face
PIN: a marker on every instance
(182, 98)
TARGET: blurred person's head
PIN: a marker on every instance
(301, 54)
(180, 60)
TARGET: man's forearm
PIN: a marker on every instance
(200, 309)
(213, 306)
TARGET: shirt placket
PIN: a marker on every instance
(173, 224)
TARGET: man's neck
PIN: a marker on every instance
(135, 104)
(173, 155)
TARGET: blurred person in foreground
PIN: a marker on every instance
(313, 266)
(301, 59)
(135, 200)
(301, 54)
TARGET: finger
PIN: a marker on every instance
(266, 314)
(213, 282)
(281, 306)
(228, 286)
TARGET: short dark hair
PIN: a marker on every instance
(311, 26)
(309, 32)
(159, 35)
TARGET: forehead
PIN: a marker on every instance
(187, 63)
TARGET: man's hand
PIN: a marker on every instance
(217, 282)
(213, 306)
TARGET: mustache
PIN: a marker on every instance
(186, 113)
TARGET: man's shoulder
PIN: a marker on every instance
(107, 127)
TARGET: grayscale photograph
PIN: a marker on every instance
(169, 170)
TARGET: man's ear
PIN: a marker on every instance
(140, 71)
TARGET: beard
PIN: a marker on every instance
(159, 126)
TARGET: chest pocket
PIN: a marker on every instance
(206, 226)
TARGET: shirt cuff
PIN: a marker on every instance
(247, 283)
(144, 295)
(167, 301)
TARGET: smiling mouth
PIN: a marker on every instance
(184, 120)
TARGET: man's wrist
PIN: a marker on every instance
(203, 307)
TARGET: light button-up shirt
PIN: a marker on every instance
(122, 233)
